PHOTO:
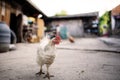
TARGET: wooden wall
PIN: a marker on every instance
(5, 12)
(41, 27)
(0, 10)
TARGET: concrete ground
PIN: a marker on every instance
(86, 59)
(111, 41)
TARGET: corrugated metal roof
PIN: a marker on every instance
(28, 8)
(78, 15)
(92, 14)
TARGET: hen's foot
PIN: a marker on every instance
(48, 76)
(39, 73)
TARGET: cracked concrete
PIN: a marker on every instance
(70, 64)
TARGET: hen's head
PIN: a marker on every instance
(56, 39)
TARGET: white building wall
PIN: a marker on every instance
(75, 27)
(112, 23)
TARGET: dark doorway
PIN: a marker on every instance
(16, 26)
(13, 23)
(13, 27)
(19, 28)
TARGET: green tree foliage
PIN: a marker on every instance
(104, 20)
(61, 13)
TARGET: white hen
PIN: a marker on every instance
(46, 54)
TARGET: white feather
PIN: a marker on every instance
(46, 52)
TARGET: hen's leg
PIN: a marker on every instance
(48, 75)
(40, 72)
